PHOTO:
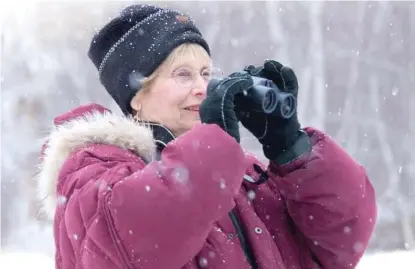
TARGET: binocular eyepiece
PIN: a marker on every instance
(266, 97)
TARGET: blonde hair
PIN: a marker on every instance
(193, 50)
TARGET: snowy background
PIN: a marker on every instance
(355, 62)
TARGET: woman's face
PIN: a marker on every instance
(174, 96)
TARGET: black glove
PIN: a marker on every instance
(218, 107)
(282, 139)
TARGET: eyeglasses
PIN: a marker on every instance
(186, 77)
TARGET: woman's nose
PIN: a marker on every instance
(199, 91)
(200, 87)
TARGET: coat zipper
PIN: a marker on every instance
(249, 254)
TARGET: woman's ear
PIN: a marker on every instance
(136, 102)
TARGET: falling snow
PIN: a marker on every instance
(356, 86)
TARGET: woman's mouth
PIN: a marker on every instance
(192, 108)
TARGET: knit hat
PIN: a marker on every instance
(132, 45)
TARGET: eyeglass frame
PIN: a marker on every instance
(193, 78)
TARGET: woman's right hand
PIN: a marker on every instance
(218, 107)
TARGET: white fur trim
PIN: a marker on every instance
(92, 128)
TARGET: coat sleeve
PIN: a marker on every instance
(331, 201)
(158, 215)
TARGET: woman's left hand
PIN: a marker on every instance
(277, 135)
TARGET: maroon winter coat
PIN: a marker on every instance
(116, 203)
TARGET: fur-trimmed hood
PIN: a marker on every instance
(80, 127)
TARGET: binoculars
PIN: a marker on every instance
(266, 97)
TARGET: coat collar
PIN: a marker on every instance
(89, 125)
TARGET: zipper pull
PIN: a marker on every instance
(263, 175)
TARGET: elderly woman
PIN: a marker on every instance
(168, 186)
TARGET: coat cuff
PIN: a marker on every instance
(299, 150)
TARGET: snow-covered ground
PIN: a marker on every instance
(25, 260)
(399, 259)
(388, 260)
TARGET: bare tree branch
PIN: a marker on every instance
(276, 32)
(318, 65)
(392, 190)
(345, 130)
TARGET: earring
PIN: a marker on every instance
(137, 116)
